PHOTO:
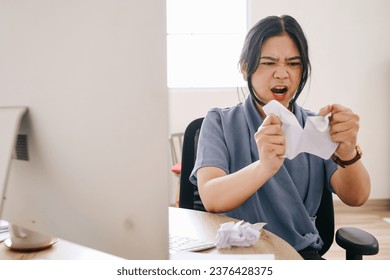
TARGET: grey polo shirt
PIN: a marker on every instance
(288, 201)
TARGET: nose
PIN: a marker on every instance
(281, 72)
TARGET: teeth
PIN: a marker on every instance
(279, 90)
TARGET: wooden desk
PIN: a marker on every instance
(184, 222)
(204, 226)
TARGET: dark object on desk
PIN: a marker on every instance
(356, 242)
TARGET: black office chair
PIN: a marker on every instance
(355, 241)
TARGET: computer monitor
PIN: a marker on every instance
(92, 76)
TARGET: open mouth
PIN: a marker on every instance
(279, 89)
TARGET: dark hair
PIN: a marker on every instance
(269, 27)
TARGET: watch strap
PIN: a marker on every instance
(344, 163)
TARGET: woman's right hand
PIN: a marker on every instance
(271, 144)
(222, 192)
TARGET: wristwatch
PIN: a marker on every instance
(344, 163)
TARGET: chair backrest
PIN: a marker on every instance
(325, 220)
(189, 195)
(190, 199)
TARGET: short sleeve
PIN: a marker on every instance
(212, 149)
(330, 168)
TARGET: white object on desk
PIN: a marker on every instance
(24, 239)
(238, 234)
(4, 235)
(4, 226)
(187, 244)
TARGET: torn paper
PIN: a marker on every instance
(314, 138)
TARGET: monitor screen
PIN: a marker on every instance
(92, 76)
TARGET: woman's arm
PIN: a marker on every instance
(221, 192)
(352, 183)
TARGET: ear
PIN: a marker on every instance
(243, 71)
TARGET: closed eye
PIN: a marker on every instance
(267, 63)
(295, 63)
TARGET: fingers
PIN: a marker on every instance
(271, 120)
(344, 127)
(271, 129)
(270, 138)
(343, 121)
(325, 110)
(341, 114)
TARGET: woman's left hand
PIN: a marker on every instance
(344, 127)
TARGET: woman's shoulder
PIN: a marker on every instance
(226, 111)
(228, 117)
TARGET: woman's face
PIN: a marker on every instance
(279, 70)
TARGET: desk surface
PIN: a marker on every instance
(184, 222)
(205, 226)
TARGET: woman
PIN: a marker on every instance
(240, 168)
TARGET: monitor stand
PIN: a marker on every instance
(10, 122)
(25, 240)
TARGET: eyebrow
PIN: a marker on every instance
(275, 59)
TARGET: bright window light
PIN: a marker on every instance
(204, 40)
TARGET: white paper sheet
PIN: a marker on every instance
(239, 234)
(314, 138)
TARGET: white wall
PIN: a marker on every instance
(349, 45)
(189, 104)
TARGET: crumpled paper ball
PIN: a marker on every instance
(238, 234)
